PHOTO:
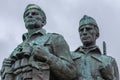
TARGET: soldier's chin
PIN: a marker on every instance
(30, 25)
(85, 42)
(33, 25)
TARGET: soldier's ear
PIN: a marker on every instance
(97, 35)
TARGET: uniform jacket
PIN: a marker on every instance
(92, 65)
(24, 66)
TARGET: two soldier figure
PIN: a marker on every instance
(46, 56)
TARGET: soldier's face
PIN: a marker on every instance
(87, 34)
(33, 19)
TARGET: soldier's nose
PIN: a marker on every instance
(30, 15)
(84, 32)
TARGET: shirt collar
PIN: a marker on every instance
(94, 49)
(41, 31)
(26, 35)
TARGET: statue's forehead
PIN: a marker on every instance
(33, 10)
(87, 26)
(32, 7)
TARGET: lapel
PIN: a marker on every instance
(79, 52)
(97, 57)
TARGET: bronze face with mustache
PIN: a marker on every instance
(33, 19)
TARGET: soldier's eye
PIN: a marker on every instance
(81, 30)
(34, 13)
(88, 29)
(26, 14)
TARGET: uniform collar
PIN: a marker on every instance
(41, 31)
(97, 55)
(94, 49)
(26, 35)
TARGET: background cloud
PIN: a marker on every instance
(62, 17)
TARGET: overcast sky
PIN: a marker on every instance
(62, 17)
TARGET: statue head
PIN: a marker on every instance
(88, 30)
(34, 17)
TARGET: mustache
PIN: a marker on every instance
(84, 37)
(30, 20)
(33, 19)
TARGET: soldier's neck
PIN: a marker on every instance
(31, 31)
(89, 45)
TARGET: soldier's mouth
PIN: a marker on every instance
(85, 38)
(31, 20)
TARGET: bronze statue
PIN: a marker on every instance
(41, 55)
(91, 63)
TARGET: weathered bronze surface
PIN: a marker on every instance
(91, 63)
(41, 55)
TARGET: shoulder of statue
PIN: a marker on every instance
(76, 55)
(103, 59)
(50, 38)
(107, 59)
(54, 36)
